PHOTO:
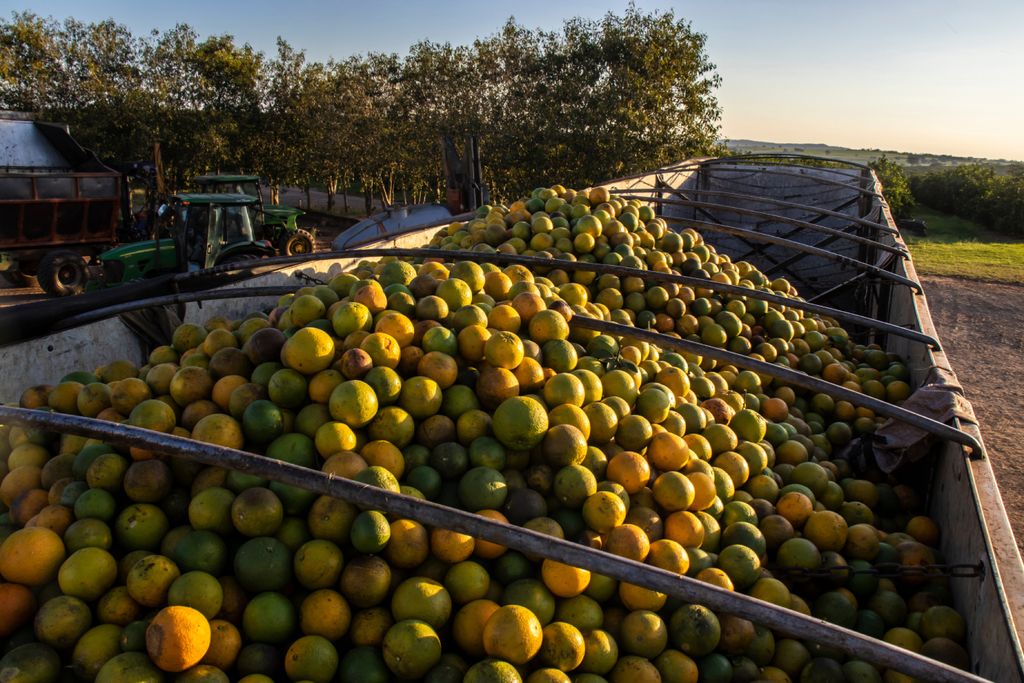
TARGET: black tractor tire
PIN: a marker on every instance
(296, 243)
(16, 278)
(62, 273)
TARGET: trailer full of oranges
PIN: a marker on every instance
(470, 385)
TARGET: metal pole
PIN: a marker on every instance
(745, 234)
(771, 217)
(788, 622)
(657, 276)
(786, 374)
(533, 261)
(794, 377)
(763, 199)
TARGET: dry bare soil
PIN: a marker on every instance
(980, 325)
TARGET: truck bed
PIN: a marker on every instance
(963, 493)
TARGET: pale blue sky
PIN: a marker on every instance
(941, 76)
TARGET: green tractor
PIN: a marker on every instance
(203, 230)
(278, 222)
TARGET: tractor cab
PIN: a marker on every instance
(276, 222)
(196, 231)
(210, 229)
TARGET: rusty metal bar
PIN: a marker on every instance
(765, 169)
(773, 218)
(657, 276)
(757, 156)
(275, 263)
(768, 200)
(171, 300)
(794, 377)
(745, 234)
(788, 622)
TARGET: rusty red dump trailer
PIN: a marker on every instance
(59, 204)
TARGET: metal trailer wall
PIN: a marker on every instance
(966, 503)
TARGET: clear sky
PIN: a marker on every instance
(942, 76)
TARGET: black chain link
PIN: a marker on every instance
(887, 570)
(309, 279)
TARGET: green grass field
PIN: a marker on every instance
(962, 248)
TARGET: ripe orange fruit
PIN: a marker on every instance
(795, 507)
(384, 349)
(629, 541)
(150, 578)
(225, 643)
(826, 529)
(31, 556)
(18, 605)
(685, 528)
(468, 625)
(504, 350)
(177, 638)
(409, 544)
(563, 646)
(667, 452)
(513, 633)
(325, 613)
(487, 549)
(450, 546)
(564, 580)
(629, 469)
(603, 511)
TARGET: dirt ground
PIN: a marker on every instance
(980, 326)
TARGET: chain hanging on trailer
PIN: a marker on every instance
(308, 279)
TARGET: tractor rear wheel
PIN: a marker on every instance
(296, 243)
(62, 273)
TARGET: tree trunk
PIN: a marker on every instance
(309, 198)
(275, 193)
(368, 200)
(332, 187)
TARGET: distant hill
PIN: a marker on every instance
(913, 162)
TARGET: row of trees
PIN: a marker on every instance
(596, 99)
(976, 192)
(895, 185)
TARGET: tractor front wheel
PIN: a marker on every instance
(62, 273)
(296, 243)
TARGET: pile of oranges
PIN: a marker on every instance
(469, 385)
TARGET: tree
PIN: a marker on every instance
(895, 186)
(593, 100)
